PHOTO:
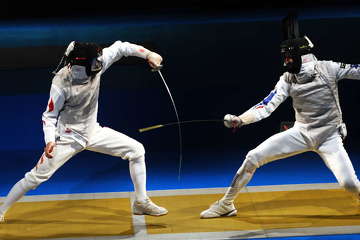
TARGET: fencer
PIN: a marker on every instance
(319, 127)
(70, 121)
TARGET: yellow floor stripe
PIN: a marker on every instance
(70, 218)
(258, 211)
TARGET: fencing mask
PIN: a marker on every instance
(82, 54)
(293, 46)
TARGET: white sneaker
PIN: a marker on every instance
(219, 209)
(148, 208)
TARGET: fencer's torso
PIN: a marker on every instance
(315, 97)
(78, 116)
(73, 103)
(314, 102)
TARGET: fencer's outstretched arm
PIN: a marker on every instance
(345, 71)
(50, 116)
(121, 49)
(268, 105)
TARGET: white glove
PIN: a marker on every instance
(154, 60)
(232, 121)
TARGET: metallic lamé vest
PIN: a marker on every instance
(314, 103)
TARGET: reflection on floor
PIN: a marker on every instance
(268, 211)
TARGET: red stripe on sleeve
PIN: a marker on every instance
(51, 105)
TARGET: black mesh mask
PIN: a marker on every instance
(294, 49)
(86, 54)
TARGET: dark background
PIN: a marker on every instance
(14, 10)
(218, 58)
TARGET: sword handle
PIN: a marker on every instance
(157, 68)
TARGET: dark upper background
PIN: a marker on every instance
(13, 10)
(220, 57)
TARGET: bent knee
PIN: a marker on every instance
(32, 180)
(249, 166)
(137, 151)
(254, 158)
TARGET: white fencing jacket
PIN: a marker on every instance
(314, 92)
(73, 104)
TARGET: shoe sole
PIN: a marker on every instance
(229, 214)
(155, 215)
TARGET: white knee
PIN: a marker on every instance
(137, 151)
(32, 180)
(253, 159)
(247, 167)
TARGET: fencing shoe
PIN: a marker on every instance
(147, 207)
(219, 209)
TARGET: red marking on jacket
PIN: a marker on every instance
(141, 50)
(68, 130)
(261, 106)
(306, 59)
(51, 105)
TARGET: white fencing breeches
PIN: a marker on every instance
(104, 140)
(290, 143)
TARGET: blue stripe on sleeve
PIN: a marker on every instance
(268, 98)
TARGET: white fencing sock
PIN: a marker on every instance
(242, 177)
(16, 192)
(138, 176)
